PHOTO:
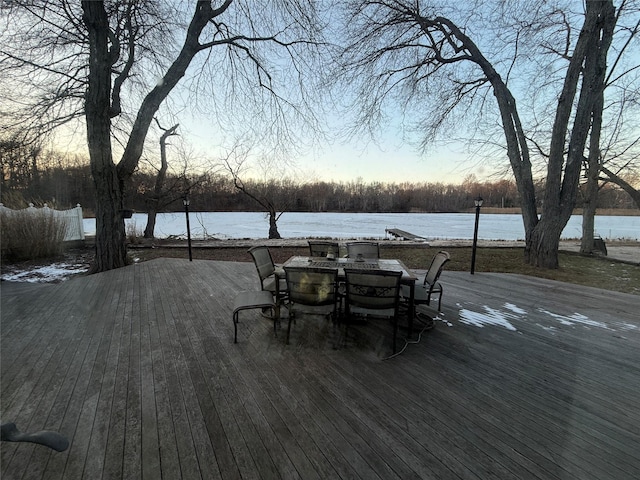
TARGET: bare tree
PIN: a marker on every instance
(95, 55)
(264, 197)
(414, 52)
(604, 166)
(623, 140)
(613, 177)
(171, 184)
(18, 163)
(158, 194)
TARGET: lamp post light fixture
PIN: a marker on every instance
(185, 201)
(478, 203)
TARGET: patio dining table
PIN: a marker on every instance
(408, 277)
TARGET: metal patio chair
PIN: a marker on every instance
(320, 248)
(271, 275)
(311, 291)
(430, 286)
(373, 293)
(363, 250)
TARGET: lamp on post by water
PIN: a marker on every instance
(185, 201)
(478, 203)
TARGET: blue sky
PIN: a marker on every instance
(390, 162)
(390, 157)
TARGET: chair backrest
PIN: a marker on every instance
(435, 269)
(263, 261)
(312, 286)
(372, 289)
(365, 249)
(320, 248)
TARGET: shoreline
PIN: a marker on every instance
(622, 251)
(605, 212)
(302, 242)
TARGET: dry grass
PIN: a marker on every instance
(29, 235)
(594, 271)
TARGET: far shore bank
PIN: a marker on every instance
(613, 212)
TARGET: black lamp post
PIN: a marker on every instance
(478, 203)
(185, 201)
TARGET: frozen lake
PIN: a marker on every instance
(238, 225)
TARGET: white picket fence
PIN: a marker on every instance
(73, 218)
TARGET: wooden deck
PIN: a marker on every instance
(521, 379)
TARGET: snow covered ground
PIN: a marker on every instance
(73, 263)
(53, 273)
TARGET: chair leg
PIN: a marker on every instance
(275, 321)
(235, 327)
(346, 329)
(395, 332)
(289, 327)
(334, 315)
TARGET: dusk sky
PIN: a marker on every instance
(389, 157)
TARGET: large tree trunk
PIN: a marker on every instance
(588, 218)
(545, 242)
(152, 213)
(110, 234)
(592, 173)
(110, 244)
(109, 179)
(589, 60)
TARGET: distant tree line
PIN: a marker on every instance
(65, 182)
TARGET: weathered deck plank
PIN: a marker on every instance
(139, 369)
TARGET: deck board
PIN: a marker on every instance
(138, 368)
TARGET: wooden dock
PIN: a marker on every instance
(521, 378)
(403, 235)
